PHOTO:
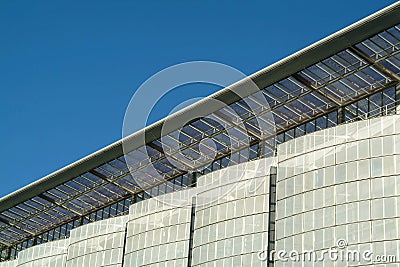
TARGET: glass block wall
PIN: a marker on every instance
(341, 185)
(158, 233)
(12, 263)
(51, 254)
(232, 214)
(98, 244)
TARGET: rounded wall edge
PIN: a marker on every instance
(340, 188)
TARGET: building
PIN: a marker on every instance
(334, 175)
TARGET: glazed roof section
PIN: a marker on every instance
(348, 65)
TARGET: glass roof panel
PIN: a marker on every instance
(42, 202)
(252, 125)
(27, 225)
(99, 197)
(108, 170)
(170, 141)
(284, 90)
(47, 216)
(9, 216)
(40, 221)
(286, 113)
(349, 60)
(391, 40)
(271, 100)
(56, 195)
(110, 191)
(275, 92)
(96, 180)
(373, 76)
(67, 190)
(78, 203)
(5, 239)
(392, 63)
(57, 214)
(72, 206)
(383, 43)
(241, 110)
(119, 164)
(202, 126)
(162, 146)
(335, 66)
(380, 46)
(74, 185)
(18, 211)
(191, 154)
(84, 182)
(14, 233)
(149, 151)
(90, 200)
(136, 157)
(127, 181)
(332, 68)
(186, 138)
(190, 130)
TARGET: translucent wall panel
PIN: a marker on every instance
(51, 254)
(231, 222)
(341, 183)
(8, 263)
(98, 244)
(158, 232)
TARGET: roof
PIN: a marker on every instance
(342, 68)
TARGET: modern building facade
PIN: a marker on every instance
(341, 183)
(326, 178)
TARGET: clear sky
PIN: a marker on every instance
(69, 68)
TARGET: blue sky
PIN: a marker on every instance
(68, 69)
